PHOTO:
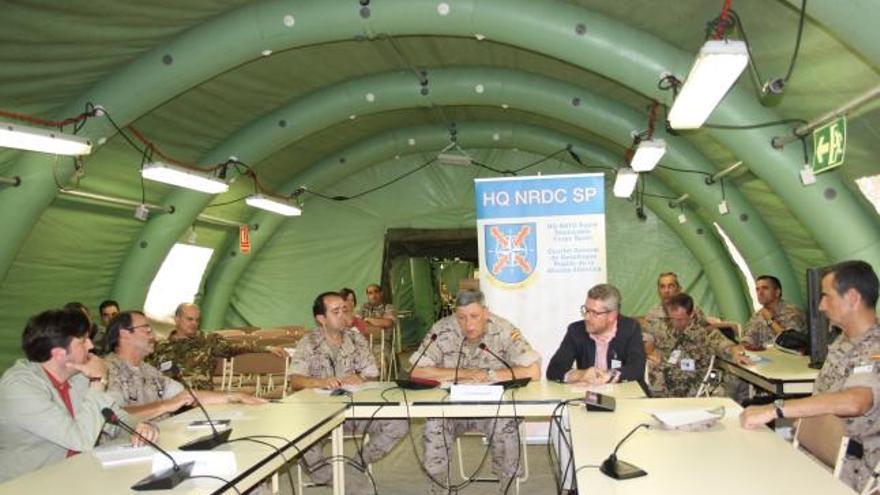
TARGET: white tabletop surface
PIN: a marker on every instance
(723, 460)
(301, 425)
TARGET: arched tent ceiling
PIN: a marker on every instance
(214, 84)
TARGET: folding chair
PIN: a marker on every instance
(259, 372)
(301, 484)
(705, 389)
(824, 439)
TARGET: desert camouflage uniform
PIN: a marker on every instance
(195, 356)
(657, 322)
(698, 341)
(854, 364)
(315, 358)
(135, 386)
(789, 316)
(506, 341)
(381, 310)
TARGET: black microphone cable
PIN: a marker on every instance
(458, 362)
(225, 481)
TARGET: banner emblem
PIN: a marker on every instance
(511, 251)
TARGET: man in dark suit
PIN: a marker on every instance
(606, 346)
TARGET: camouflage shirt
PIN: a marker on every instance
(501, 337)
(138, 385)
(381, 310)
(315, 357)
(657, 322)
(196, 356)
(789, 316)
(853, 364)
(685, 357)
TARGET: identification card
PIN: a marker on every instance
(688, 364)
(863, 368)
(615, 364)
(674, 357)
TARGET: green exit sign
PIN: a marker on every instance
(829, 145)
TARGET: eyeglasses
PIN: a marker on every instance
(145, 325)
(592, 314)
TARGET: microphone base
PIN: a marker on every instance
(515, 383)
(621, 470)
(208, 442)
(165, 480)
(417, 384)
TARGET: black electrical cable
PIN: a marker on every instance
(684, 170)
(368, 191)
(797, 43)
(757, 80)
(756, 126)
(225, 481)
(519, 452)
(556, 417)
(225, 203)
(255, 439)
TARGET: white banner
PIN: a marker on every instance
(542, 246)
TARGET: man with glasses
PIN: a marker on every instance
(194, 352)
(141, 388)
(681, 356)
(51, 402)
(606, 346)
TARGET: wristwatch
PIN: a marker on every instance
(102, 379)
(491, 374)
(778, 404)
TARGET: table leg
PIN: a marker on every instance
(382, 372)
(336, 443)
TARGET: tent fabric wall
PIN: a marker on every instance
(192, 77)
(441, 197)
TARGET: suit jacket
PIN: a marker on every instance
(578, 347)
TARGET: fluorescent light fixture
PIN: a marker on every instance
(625, 182)
(718, 65)
(454, 159)
(269, 204)
(648, 154)
(184, 177)
(42, 140)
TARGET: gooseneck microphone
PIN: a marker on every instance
(163, 480)
(621, 470)
(458, 362)
(419, 383)
(514, 382)
(206, 442)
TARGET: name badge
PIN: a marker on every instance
(674, 357)
(615, 364)
(688, 364)
(864, 368)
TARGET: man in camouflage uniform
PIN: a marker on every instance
(330, 356)
(682, 355)
(656, 319)
(849, 383)
(460, 335)
(375, 311)
(141, 388)
(775, 315)
(194, 352)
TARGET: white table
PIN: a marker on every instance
(723, 460)
(300, 425)
(383, 400)
(784, 374)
